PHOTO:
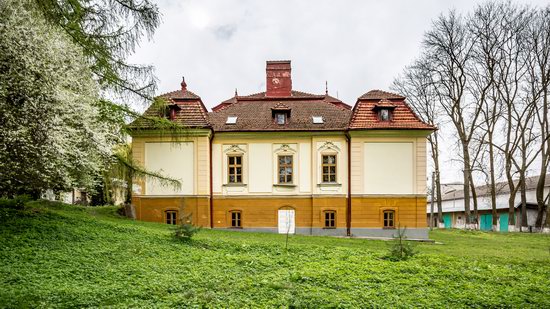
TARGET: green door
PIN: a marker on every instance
(486, 222)
(447, 220)
(504, 222)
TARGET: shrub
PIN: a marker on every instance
(185, 230)
(400, 248)
(17, 202)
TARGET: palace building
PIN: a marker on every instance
(286, 161)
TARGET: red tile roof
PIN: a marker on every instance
(190, 111)
(255, 112)
(257, 115)
(365, 115)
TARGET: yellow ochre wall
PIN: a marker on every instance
(262, 212)
(367, 212)
(153, 208)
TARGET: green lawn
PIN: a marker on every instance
(54, 255)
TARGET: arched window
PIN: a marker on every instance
(171, 217)
(330, 219)
(236, 219)
(389, 219)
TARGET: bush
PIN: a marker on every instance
(185, 230)
(400, 248)
(17, 202)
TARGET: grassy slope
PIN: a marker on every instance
(58, 255)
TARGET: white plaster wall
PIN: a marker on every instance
(389, 168)
(176, 160)
(260, 160)
(260, 174)
(217, 168)
(305, 167)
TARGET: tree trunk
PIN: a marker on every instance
(435, 157)
(511, 211)
(523, 195)
(466, 173)
(492, 184)
(474, 199)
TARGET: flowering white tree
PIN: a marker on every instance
(56, 133)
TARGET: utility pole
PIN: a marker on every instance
(432, 203)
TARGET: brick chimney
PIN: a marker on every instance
(278, 78)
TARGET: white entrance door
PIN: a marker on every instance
(287, 223)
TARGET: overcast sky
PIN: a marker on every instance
(356, 46)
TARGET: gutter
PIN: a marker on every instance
(348, 210)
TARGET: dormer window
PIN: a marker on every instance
(280, 118)
(384, 114)
(170, 111)
(384, 110)
(280, 113)
(231, 120)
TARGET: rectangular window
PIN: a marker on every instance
(236, 219)
(171, 217)
(329, 168)
(330, 219)
(389, 218)
(235, 169)
(280, 118)
(285, 169)
(384, 114)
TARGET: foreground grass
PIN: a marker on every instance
(53, 255)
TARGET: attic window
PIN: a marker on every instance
(170, 111)
(280, 118)
(231, 120)
(317, 119)
(384, 114)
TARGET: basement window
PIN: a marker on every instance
(330, 219)
(389, 219)
(231, 120)
(317, 119)
(236, 219)
(171, 217)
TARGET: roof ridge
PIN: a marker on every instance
(383, 92)
(191, 94)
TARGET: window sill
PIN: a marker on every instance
(235, 184)
(389, 228)
(290, 185)
(329, 228)
(329, 184)
(236, 227)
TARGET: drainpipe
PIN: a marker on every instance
(211, 190)
(312, 176)
(348, 212)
